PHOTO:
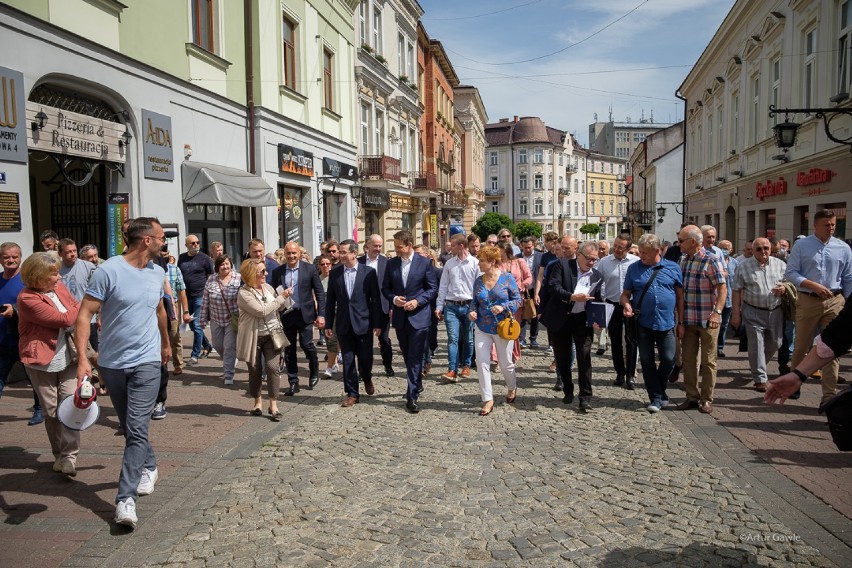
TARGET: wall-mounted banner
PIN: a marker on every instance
(10, 212)
(295, 161)
(117, 214)
(340, 170)
(13, 120)
(74, 134)
(433, 231)
(157, 145)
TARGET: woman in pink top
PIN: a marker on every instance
(518, 268)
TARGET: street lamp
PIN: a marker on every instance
(661, 210)
(785, 132)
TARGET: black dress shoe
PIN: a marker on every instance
(312, 382)
(601, 351)
(619, 380)
(294, 388)
(389, 371)
(411, 406)
(585, 405)
(369, 387)
(568, 399)
(721, 354)
(558, 386)
(631, 383)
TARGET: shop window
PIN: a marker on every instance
(408, 221)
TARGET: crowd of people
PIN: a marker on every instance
(669, 308)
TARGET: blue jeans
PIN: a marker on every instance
(133, 393)
(723, 328)
(785, 354)
(459, 334)
(199, 340)
(656, 377)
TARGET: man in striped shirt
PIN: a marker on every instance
(699, 318)
(757, 302)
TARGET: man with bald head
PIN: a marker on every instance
(757, 303)
(301, 282)
(377, 261)
(196, 268)
(569, 247)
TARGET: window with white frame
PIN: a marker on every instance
(576, 209)
(494, 182)
(204, 24)
(522, 156)
(583, 187)
(400, 54)
(710, 147)
(362, 22)
(538, 156)
(492, 158)
(719, 132)
(844, 48)
(602, 206)
(582, 209)
(379, 133)
(403, 151)
(775, 92)
(327, 75)
(592, 186)
(538, 181)
(611, 187)
(591, 207)
(809, 79)
(611, 205)
(735, 121)
(576, 185)
(755, 109)
(561, 159)
(522, 182)
(377, 30)
(288, 41)
(365, 129)
(539, 206)
(522, 207)
(495, 207)
(410, 61)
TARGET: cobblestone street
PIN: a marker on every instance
(535, 483)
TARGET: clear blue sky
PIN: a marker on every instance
(630, 55)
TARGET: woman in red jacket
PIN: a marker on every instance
(46, 310)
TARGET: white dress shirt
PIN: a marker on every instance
(613, 271)
(583, 279)
(457, 280)
(406, 267)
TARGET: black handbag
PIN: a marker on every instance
(631, 325)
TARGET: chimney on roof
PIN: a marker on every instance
(516, 118)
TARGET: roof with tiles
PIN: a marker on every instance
(527, 129)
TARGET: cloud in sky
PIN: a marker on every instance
(633, 66)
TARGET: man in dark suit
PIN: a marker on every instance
(410, 285)
(565, 318)
(533, 259)
(377, 261)
(354, 303)
(300, 280)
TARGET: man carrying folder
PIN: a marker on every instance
(573, 283)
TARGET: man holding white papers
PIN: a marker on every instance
(571, 284)
(613, 269)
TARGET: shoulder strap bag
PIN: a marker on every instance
(631, 325)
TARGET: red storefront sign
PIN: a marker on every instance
(770, 188)
(814, 176)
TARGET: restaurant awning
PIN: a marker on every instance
(215, 184)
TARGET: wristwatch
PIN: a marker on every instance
(717, 311)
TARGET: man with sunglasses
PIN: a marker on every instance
(757, 292)
(300, 281)
(505, 236)
(196, 268)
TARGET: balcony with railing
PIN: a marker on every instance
(495, 191)
(564, 191)
(570, 169)
(453, 199)
(423, 181)
(380, 167)
(643, 218)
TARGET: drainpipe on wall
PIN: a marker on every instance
(248, 15)
(683, 174)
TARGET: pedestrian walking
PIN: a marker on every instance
(219, 310)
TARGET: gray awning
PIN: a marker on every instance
(214, 184)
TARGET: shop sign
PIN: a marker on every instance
(13, 123)
(814, 176)
(376, 199)
(295, 161)
(157, 146)
(770, 188)
(74, 134)
(433, 226)
(340, 170)
(118, 207)
(10, 212)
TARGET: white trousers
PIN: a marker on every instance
(482, 343)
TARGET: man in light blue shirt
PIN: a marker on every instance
(820, 266)
(127, 290)
(453, 305)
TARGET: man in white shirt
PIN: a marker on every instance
(613, 268)
(454, 296)
(377, 261)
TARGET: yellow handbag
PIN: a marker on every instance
(509, 328)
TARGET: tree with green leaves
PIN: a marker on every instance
(527, 229)
(590, 229)
(490, 224)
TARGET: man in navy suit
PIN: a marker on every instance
(410, 285)
(300, 280)
(354, 303)
(377, 261)
(533, 259)
(565, 318)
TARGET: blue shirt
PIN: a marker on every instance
(829, 264)
(732, 268)
(658, 305)
(504, 293)
(130, 296)
(9, 290)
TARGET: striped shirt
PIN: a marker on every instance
(756, 282)
(702, 273)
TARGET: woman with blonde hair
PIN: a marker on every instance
(259, 306)
(495, 295)
(46, 311)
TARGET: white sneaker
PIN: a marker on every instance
(336, 368)
(653, 408)
(339, 359)
(328, 372)
(229, 381)
(664, 403)
(147, 482)
(57, 465)
(125, 513)
(192, 361)
(68, 468)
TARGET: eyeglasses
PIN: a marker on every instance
(192, 243)
(762, 248)
(332, 250)
(262, 271)
(684, 240)
(505, 236)
(591, 260)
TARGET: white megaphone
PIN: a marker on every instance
(79, 411)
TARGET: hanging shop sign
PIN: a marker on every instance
(376, 199)
(73, 134)
(295, 161)
(770, 188)
(157, 146)
(13, 123)
(340, 170)
(118, 208)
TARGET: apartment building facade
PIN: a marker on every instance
(605, 199)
